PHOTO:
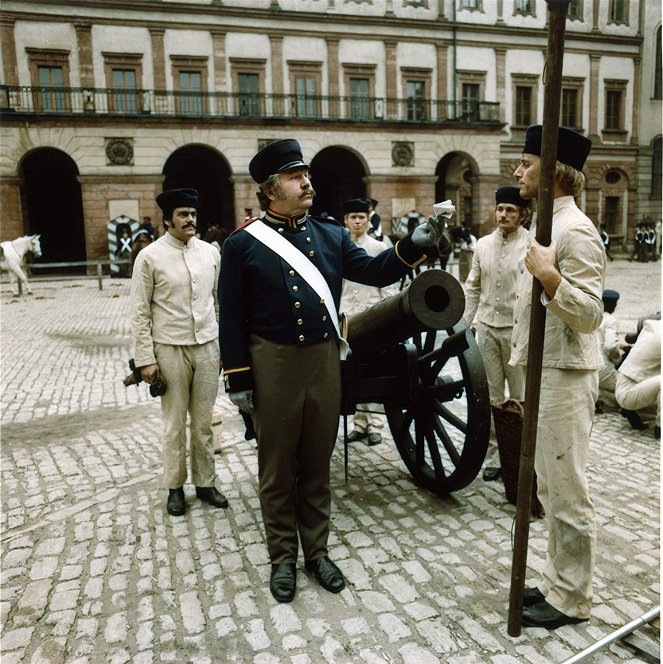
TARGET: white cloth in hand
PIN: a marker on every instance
(429, 233)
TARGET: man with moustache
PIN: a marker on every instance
(175, 337)
(571, 271)
(279, 292)
(489, 298)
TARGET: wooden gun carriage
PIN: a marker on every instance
(414, 354)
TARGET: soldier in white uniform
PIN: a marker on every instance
(638, 382)
(572, 272)
(490, 291)
(175, 329)
(355, 297)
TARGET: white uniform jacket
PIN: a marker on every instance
(575, 313)
(358, 297)
(174, 296)
(490, 288)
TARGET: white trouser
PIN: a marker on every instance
(494, 345)
(566, 415)
(633, 395)
(192, 382)
(368, 422)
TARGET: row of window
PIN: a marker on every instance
(50, 71)
(361, 103)
(617, 12)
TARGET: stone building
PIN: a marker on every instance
(104, 103)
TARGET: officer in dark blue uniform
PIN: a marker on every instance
(280, 353)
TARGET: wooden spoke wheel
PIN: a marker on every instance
(443, 434)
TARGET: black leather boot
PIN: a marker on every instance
(175, 503)
(283, 581)
(210, 495)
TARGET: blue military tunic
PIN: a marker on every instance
(259, 293)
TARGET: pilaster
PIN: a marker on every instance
(158, 58)
(8, 45)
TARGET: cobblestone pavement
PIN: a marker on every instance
(94, 570)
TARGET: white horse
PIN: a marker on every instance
(12, 258)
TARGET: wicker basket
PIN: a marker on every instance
(508, 419)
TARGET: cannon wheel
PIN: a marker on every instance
(443, 437)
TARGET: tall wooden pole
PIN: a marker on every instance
(552, 75)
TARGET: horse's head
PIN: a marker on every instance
(35, 245)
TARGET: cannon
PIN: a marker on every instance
(414, 354)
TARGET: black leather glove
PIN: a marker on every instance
(243, 400)
(429, 233)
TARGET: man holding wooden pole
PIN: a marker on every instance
(571, 272)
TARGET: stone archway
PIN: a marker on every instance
(52, 204)
(457, 175)
(337, 175)
(204, 169)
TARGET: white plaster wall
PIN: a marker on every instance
(258, 47)
(304, 49)
(121, 39)
(521, 20)
(576, 26)
(188, 42)
(522, 61)
(45, 36)
(618, 28)
(420, 13)
(409, 54)
(260, 4)
(357, 51)
(649, 113)
(486, 17)
(377, 8)
(153, 146)
(316, 6)
(577, 65)
(478, 60)
(620, 69)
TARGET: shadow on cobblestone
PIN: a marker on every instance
(95, 571)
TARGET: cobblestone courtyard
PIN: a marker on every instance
(95, 571)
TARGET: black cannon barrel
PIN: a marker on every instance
(434, 300)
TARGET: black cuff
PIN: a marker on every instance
(409, 253)
(238, 381)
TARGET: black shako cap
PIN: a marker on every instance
(177, 198)
(610, 295)
(276, 157)
(510, 195)
(356, 205)
(572, 147)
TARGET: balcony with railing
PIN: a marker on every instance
(51, 101)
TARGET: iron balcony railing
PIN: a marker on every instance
(162, 103)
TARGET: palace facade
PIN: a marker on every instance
(104, 103)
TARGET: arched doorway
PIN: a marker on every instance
(337, 175)
(205, 170)
(52, 204)
(456, 174)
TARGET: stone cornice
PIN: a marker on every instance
(331, 26)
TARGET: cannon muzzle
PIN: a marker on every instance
(434, 300)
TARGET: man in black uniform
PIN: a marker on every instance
(279, 290)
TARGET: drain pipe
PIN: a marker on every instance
(453, 32)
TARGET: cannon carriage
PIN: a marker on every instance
(414, 354)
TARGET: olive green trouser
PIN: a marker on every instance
(297, 403)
